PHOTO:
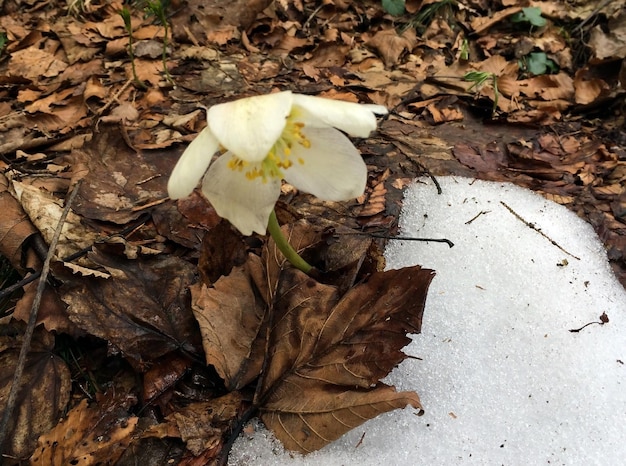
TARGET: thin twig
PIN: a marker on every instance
(538, 230)
(482, 212)
(32, 321)
(398, 238)
(411, 238)
(591, 15)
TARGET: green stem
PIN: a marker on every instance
(283, 245)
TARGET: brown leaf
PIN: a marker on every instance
(230, 315)
(52, 313)
(119, 179)
(15, 226)
(203, 425)
(222, 249)
(142, 309)
(328, 347)
(163, 375)
(327, 353)
(44, 393)
(478, 158)
(308, 418)
(391, 46)
(89, 435)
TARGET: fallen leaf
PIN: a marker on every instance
(391, 46)
(45, 210)
(203, 426)
(329, 345)
(141, 309)
(89, 435)
(44, 390)
(230, 315)
(327, 353)
(15, 226)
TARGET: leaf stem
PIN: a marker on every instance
(283, 245)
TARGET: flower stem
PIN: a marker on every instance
(283, 245)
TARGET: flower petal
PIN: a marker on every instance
(246, 203)
(192, 164)
(352, 118)
(331, 169)
(249, 127)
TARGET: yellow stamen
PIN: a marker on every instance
(278, 158)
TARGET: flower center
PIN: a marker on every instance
(279, 157)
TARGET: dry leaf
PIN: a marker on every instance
(230, 315)
(391, 46)
(89, 435)
(44, 393)
(141, 309)
(15, 226)
(327, 353)
(202, 426)
(45, 211)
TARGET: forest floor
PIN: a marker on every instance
(527, 92)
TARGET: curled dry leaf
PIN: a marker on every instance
(45, 210)
(202, 425)
(328, 345)
(391, 46)
(44, 393)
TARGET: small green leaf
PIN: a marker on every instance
(394, 7)
(530, 15)
(538, 63)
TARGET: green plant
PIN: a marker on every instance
(158, 8)
(125, 14)
(479, 78)
(464, 51)
(3, 41)
(423, 18)
(531, 15)
(538, 63)
(394, 7)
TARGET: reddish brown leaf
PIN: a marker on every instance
(327, 353)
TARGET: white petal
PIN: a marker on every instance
(247, 204)
(355, 119)
(192, 164)
(249, 127)
(332, 167)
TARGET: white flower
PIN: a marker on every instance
(265, 139)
